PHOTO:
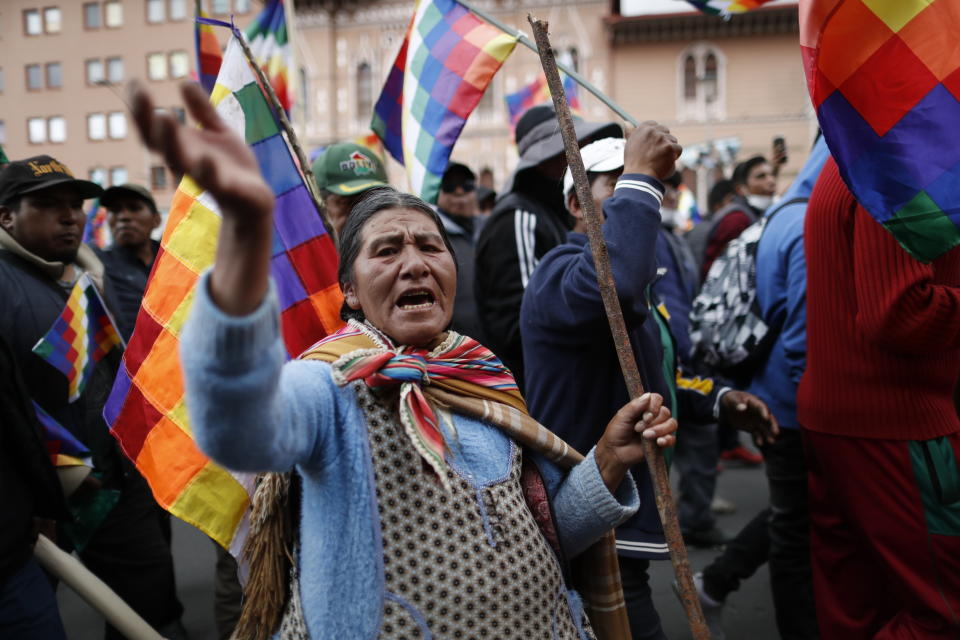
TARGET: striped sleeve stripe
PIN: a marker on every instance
(524, 224)
(652, 547)
(639, 185)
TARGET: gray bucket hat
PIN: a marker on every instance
(539, 139)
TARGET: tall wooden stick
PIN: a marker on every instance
(291, 136)
(618, 327)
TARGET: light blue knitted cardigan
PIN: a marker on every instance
(251, 411)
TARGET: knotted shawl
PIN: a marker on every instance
(465, 376)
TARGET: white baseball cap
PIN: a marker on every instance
(598, 157)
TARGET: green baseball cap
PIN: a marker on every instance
(348, 169)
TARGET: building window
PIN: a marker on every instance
(364, 91)
(1, 80)
(118, 175)
(113, 14)
(180, 114)
(242, 6)
(91, 15)
(178, 9)
(156, 11)
(34, 77)
(3, 132)
(51, 20)
(57, 128)
(32, 23)
(158, 177)
(96, 126)
(156, 66)
(220, 6)
(689, 78)
(179, 64)
(37, 130)
(54, 78)
(94, 71)
(117, 125)
(700, 81)
(115, 70)
(98, 175)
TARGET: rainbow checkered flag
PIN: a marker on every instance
(885, 81)
(62, 446)
(444, 65)
(538, 92)
(208, 53)
(80, 337)
(726, 7)
(146, 410)
(271, 49)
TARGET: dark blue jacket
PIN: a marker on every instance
(574, 385)
(677, 287)
(782, 294)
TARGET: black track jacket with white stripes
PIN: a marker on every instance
(521, 229)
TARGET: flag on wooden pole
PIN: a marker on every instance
(268, 39)
(146, 409)
(445, 63)
(209, 57)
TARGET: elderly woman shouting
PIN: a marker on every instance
(431, 505)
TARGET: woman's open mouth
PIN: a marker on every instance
(416, 299)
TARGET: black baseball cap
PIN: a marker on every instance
(109, 197)
(21, 177)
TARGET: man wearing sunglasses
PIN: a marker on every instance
(457, 206)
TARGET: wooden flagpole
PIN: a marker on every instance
(618, 327)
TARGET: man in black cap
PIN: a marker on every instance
(457, 208)
(41, 258)
(529, 220)
(132, 217)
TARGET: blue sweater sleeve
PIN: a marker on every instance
(584, 507)
(630, 231)
(794, 331)
(248, 410)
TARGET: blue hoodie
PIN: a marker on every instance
(782, 294)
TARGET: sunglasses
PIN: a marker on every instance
(466, 185)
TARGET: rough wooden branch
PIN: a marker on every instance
(628, 364)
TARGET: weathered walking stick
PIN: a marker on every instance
(628, 364)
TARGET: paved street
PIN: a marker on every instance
(749, 612)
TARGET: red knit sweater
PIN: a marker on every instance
(883, 330)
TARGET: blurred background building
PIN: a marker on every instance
(726, 88)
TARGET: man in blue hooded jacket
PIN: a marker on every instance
(574, 376)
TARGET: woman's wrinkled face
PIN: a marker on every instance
(404, 278)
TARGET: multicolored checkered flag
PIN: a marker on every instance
(146, 410)
(884, 76)
(62, 446)
(445, 64)
(80, 336)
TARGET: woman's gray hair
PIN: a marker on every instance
(351, 236)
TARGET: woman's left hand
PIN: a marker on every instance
(621, 445)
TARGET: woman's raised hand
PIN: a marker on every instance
(214, 156)
(621, 445)
(220, 162)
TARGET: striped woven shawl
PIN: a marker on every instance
(465, 376)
